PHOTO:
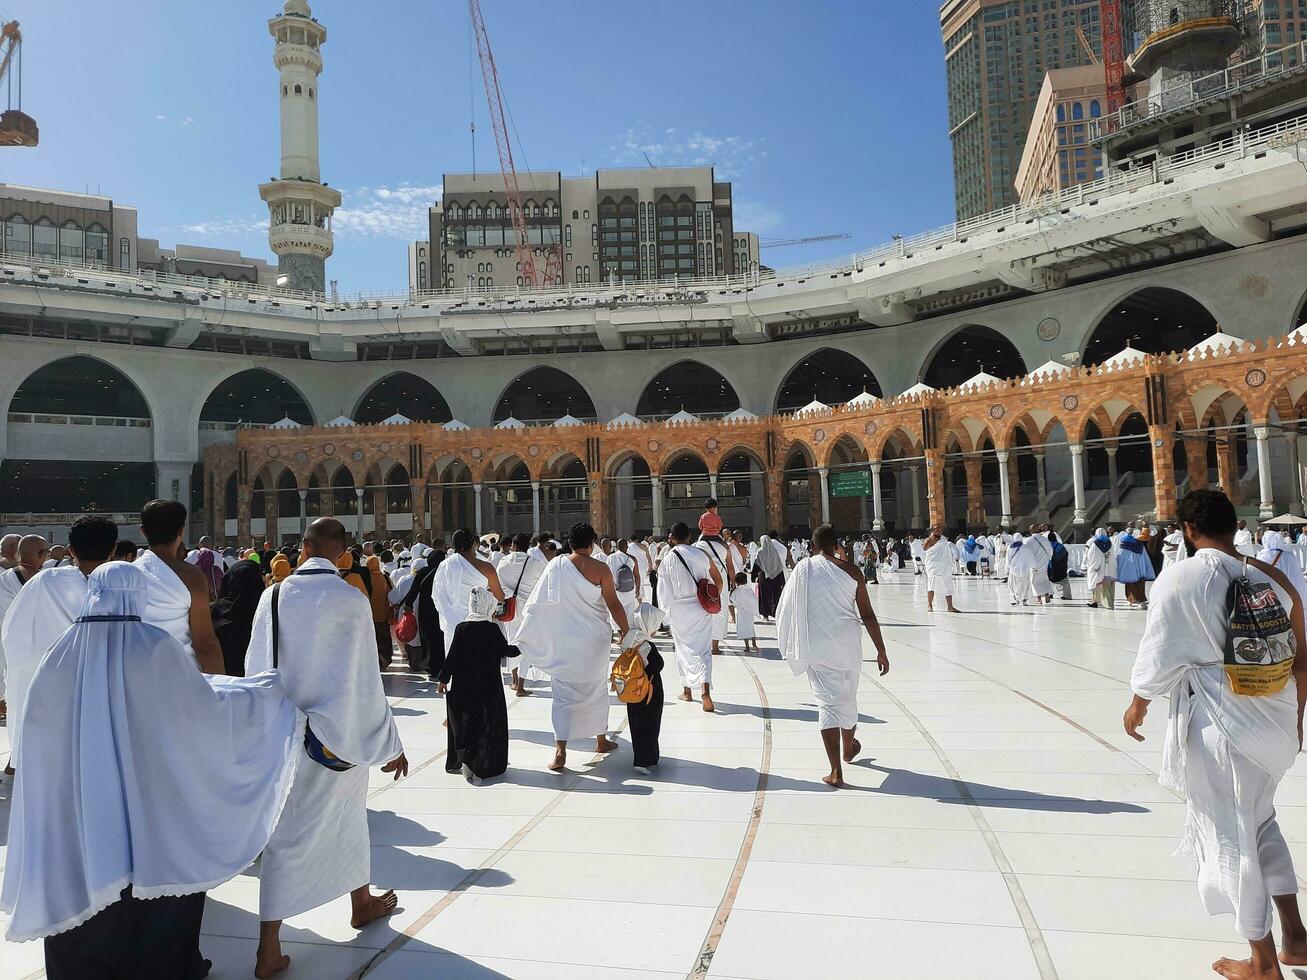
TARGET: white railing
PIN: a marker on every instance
(1282, 62)
(43, 418)
(32, 519)
(688, 290)
(230, 426)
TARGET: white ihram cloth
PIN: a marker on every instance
(721, 622)
(692, 627)
(1100, 566)
(454, 581)
(1020, 561)
(137, 769)
(641, 556)
(1275, 551)
(37, 617)
(327, 661)
(1173, 549)
(168, 601)
(565, 633)
(11, 581)
(1040, 553)
(527, 566)
(745, 601)
(819, 631)
(630, 600)
(1244, 544)
(1226, 752)
(938, 559)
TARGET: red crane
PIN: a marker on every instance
(1113, 26)
(495, 102)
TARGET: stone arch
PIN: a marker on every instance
(826, 375)
(403, 393)
(1154, 319)
(690, 385)
(62, 386)
(971, 349)
(544, 394)
(234, 398)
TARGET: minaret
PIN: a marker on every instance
(299, 204)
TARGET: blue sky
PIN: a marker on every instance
(827, 115)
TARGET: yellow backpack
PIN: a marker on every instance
(629, 680)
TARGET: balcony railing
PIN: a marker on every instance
(42, 418)
(1182, 96)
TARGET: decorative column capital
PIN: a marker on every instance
(875, 468)
(1002, 455)
(1263, 432)
(1077, 448)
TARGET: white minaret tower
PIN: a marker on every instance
(299, 204)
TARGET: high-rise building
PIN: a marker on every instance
(300, 205)
(1057, 153)
(996, 53)
(614, 224)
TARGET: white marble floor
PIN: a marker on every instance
(998, 824)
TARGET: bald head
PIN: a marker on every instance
(32, 550)
(325, 538)
(9, 550)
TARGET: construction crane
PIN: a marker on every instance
(516, 212)
(16, 127)
(1112, 24)
(785, 242)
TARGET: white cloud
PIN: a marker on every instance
(755, 217)
(161, 117)
(732, 156)
(376, 212)
(387, 212)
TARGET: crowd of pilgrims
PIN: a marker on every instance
(177, 714)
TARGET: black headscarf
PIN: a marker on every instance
(233, 612)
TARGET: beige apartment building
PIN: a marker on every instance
(1057, 153)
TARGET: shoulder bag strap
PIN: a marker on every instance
(521, 574)
(276, 595)
(676, 551)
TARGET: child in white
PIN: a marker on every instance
(745, 601)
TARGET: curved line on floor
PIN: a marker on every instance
(1034, 935)
(703, 962)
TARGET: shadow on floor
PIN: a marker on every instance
(942, 789)
(789, 714)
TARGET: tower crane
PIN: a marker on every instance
(516, 212)
(785, 242)
(16, 127)
(1112, 24)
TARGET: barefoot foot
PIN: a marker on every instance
(1243, 970)
(852, 751)
(707, 703)
(604, 745)
(376, 907)
(835, 779)
(1293, 952)
(686, 695)
(560, 761)
(522, 692)
(267, 966)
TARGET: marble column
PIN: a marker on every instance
(304, 511)
(1295, 473)
(476, 498)
(1266, 508)
(915, 470)
(535, 506)
(823, 474)
(877, 503)
(657, 484)
(418, 507)
(358, 514)
(1042, 483)
(1078, 480)
(1004, 490)
(271, 513)
(1113, 491)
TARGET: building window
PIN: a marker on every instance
(567, 235)
(1095, 110)
(124, 253)
(586, 272)
(299, 90)
(310, 93)
(575, 215)
(18, 236)
(285, 90)
(97, 244)
(481, 283)
(44, 240)
(1061, 113)
(578, 274)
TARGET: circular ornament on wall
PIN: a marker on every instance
(1048, 328)
(533, 450)
(1070, 403)
(357, 454)
(384, 447)
(273, 452)
(819, 435)
(329, 450)
(653, 445)
(996, 412)
(869, 428)
(301, 457)
(1255, 378)
(713, 445)
(476, 453)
